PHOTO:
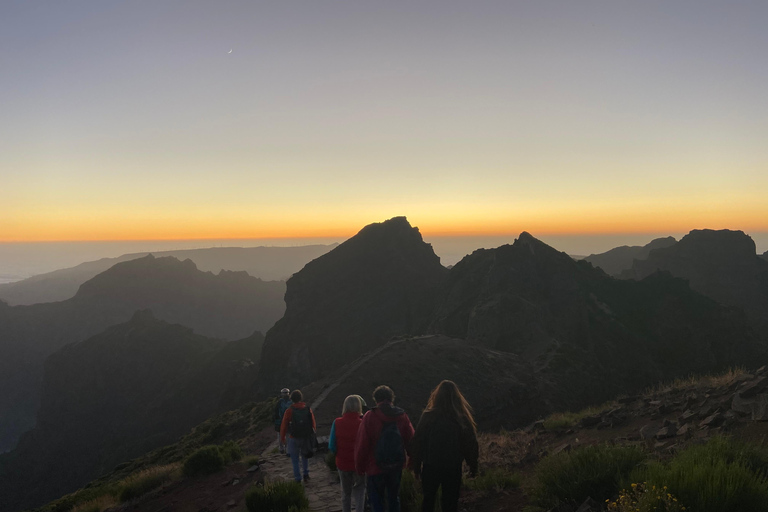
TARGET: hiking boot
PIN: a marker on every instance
(306, 477)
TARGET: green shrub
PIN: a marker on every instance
(494, 479)
(591, 471)
(410, 493)
(330, 461)
(277, 497)
(96, 505)
(643, 498)
(723, 476)
(204, 461)
(252, 461)
(145, 481)
(231, 452)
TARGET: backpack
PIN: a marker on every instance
(301, 423)
(443, 443)
(390, 454)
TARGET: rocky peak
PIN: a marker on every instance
(377, 284)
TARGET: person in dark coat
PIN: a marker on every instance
(445, 437)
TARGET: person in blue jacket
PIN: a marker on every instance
(281, 406)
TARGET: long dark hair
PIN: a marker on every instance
(447, 399)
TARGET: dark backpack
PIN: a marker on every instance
(443, 443)
(301, 423)
(390, 454)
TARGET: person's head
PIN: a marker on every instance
(446, 398)
(352, 404)
(296, 396)
(383, 394)
(285, 393)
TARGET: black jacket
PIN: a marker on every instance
(432, 445)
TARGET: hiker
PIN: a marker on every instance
(299, 422)
(342, 443)
(381, 449)
(281, 406)
(445, 436)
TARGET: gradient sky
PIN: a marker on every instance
(130, 120)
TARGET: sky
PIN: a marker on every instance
(225, 119)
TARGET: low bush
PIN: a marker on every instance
(330, 461)
(645, 498)
(231, 452)
(96, 505)
(410, 493)
(592, 471)
(723, 475)
(494, 479)
(204, 461)
(145, 481)
(252, 461)
(277, 497)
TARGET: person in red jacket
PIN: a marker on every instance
(381, 450)
(299, 422)
(342, 443)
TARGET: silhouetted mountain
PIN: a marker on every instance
(765, 256)
(119, 394)
(231, 305)
(592, 334)
(722, 265)
(268, 263)
(377, 284)
(619, 259)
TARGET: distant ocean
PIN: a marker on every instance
(20, 260)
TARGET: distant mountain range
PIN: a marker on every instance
(619, 259)
(130, 389)
(589, 334)
(523, 328)
(230, 305)
(267, 263)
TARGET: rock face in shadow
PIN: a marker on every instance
(500, 386)
(722, 265)
(620, 259)
(377, 284)
(230, 305)
(130, 389)
(593, 335)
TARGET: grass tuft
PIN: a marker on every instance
(277, 497)
(96, 505)
(144, 481)
(494, 479)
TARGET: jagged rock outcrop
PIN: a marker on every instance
(378, 284)
(592, 334)
(722, 265)
(132, 388)
(765, 256)
(230, 305)
(620, 259)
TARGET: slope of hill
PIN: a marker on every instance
(267, 263)
(377, 284)
(765, 256)
(595, 336)
(231, 305)
(619, 259)
(133, 388)
(722, 265)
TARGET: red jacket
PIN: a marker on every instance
(370, 430)
(287, 419)
(345, 430)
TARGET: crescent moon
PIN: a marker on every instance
(230, 51)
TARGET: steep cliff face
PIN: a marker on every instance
(722, 265)
(591, 333)
(230, 305)
(132, 388)
(620, 259)
(377, 284)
